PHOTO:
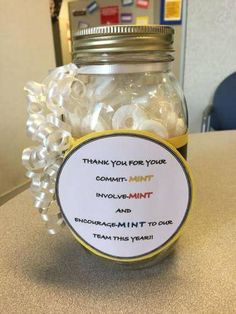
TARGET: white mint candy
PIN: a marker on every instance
(85, 78)
(155, 127)
(164, 107)
(128, 117)
(75, 118)
(159, 108)
(89, 92)
(180, 127)
(70, 104)
(104, 87)
(171, 120)
(91, 123)
(75, 122)
(115, 101)
(78, 89)
(140, 101)
(161, 91)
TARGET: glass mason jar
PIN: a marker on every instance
(128, 68)
(126, 85)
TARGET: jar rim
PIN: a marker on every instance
(125, 29)
(124, 38)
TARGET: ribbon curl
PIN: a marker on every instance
(47, 103)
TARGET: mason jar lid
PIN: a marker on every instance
(123, 38)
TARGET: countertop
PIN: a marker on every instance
(53, 274)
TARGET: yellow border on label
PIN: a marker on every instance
(172, 144)
(177, 142)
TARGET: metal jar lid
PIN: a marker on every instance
(123, 38)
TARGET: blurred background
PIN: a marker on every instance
(35, 36)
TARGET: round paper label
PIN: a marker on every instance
(124, 195)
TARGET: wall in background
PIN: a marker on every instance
(179, 40)
(210, 52)
(94, 19)
(64, 31)
(26, 53)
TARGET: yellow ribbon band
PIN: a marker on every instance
(177, 142)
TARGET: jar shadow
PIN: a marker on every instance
(70, 266)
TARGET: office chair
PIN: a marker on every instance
(221, 114)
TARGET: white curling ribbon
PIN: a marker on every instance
(52, 217)
(36, 183)
(33, 124)
(64, 85)
(42, 203)
(77, 100)
(43, 190)
(54, 224)
(34, 98)
(55, 103)
(42, 183)
(44, 195)
(52, 133)
(43, 200)
(57, 92)
(35, 107)
(60, 72)
(57, 95)
(58, 122)
(35, 117)
(58, 141)
(43, 187)
(128, 117)
(41, 153)
(30, 160)
(35, 89)
(44, 213)
(155, 127)
(43, 132)
(30, 174)
(52, 169)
